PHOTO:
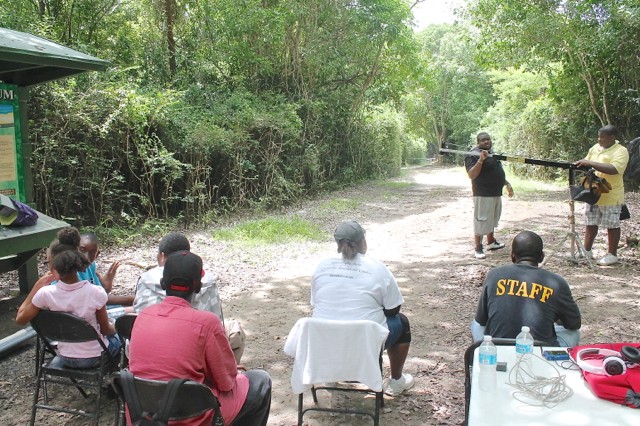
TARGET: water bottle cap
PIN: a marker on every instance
(525, 329)
(487, 338)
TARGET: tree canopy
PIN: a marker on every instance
(214, 105)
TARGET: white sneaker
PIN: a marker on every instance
(396, 387)
(495, 245)
(609, 259)
(479, 253)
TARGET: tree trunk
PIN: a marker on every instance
(170, 38)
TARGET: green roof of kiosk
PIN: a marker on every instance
(26, 60)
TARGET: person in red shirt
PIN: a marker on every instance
(173, 340)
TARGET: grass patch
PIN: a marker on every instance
(523, 185)
(273, 230)
(135, 233)
(329, 208)
(391, 195)
(395, 185)
(340, 204)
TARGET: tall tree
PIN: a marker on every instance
(595, 40)
(451, 92)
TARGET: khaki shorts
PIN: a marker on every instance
(486, 214)
(236, 337)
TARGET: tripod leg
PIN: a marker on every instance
(582, 250)
(553, 252)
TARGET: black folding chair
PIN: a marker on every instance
(124, 325)
(193, 399)
(468, 365)
(63, 327)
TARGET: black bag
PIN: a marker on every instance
(624, 213)
(587, 190)
(143, 418)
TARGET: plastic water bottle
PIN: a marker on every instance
(488, 357)
(524, 345)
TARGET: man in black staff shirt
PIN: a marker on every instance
(523, 294)
(487, 179)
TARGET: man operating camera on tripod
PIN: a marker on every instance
(610, 160)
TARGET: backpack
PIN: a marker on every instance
(16, 213)
(144, 418)
(622, 389)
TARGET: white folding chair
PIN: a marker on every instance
(329, 351)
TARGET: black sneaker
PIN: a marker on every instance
(479, 252)
(495, 245)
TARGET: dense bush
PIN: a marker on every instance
(213, 105)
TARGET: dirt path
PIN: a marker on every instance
(420, 227)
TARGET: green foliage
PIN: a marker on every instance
(134, 234)
(448, 98)
(273, 230)
(414, 152)
(526, 121)
(595, 43)
(527, 187)
(214, 105)
(341, 204)
(395, 185)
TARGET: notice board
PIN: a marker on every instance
(11, 173)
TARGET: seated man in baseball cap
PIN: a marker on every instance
(173, 340)
(149, 291)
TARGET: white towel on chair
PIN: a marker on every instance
(335, 351)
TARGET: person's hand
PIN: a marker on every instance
(242, 367)
(111, 273)
(583, 163)
(509, 190)
(483, 155)
(45, 280)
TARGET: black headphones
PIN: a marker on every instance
(613, 363)
(630, 354)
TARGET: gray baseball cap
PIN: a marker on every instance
(349, 230)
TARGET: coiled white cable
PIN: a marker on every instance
(548, 391)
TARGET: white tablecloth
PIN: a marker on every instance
(583, 408)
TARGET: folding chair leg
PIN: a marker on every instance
(315, 396)
(379, 403)
(80, 389)
(99, 398)
(116, 417)
(45, 394)
(97, 412)
(300, 407)
(35, 402)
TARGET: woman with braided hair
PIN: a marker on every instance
(72, 295)
(352, 286)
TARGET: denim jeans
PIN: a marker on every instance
(62, 361)
(255, 410)
(395, 330)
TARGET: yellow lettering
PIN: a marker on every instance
(546, 293)
(522, 291)
(500, 289)
(535, 289)
(511, 284)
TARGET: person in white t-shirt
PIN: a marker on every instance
(352, 286)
